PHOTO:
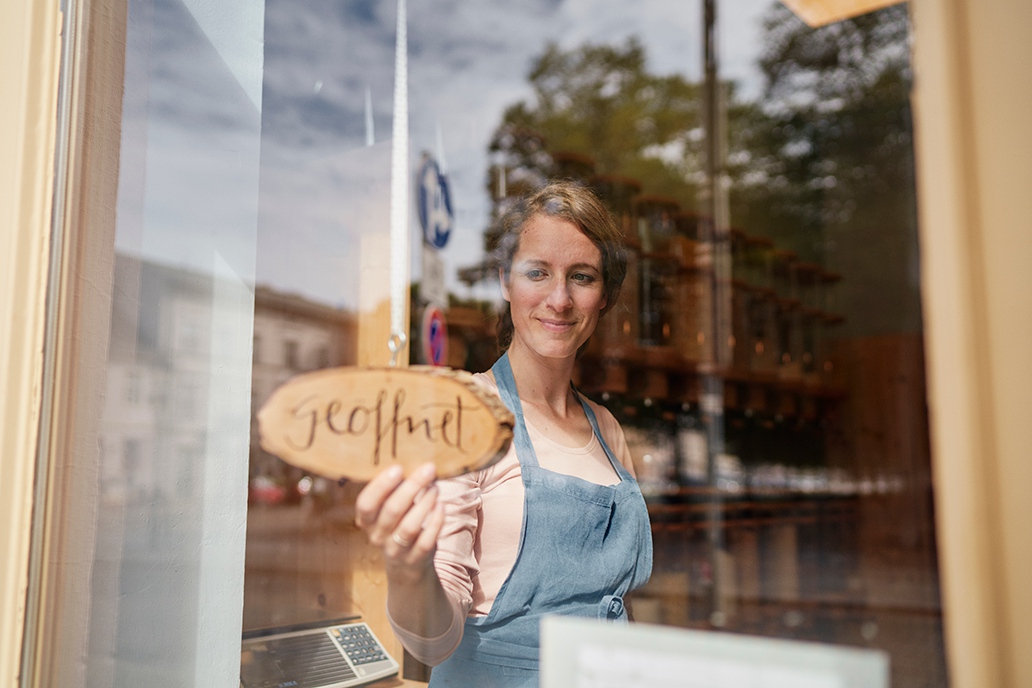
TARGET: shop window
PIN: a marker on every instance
(764, 358)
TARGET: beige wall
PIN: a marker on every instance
(973, 98)
(29, 46)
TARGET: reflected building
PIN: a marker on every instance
(164, 340)
(154, 424)
(292, 335)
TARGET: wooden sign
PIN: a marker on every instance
(355, 422)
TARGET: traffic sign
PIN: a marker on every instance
(434, 337)
(434, 202)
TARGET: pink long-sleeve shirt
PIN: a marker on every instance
(483, 516)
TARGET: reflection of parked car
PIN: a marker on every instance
(265, 490)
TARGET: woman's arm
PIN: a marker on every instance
(403, 517)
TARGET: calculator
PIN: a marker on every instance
(328, 654)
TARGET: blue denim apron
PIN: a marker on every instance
(582, 547)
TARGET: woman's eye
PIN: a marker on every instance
(582, 278)
(535, 274)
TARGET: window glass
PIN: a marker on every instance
(135, 594)
(765, 357)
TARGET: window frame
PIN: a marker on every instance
(30, 47)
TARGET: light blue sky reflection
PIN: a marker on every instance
(468, 62)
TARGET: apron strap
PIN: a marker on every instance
(617, 466)
(510, 397)
(506, 383)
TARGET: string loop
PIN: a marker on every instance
(396, 343)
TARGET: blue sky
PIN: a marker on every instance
(468, 62)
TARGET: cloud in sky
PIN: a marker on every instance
(468, 62)
(190, 139)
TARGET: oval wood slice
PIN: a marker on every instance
(355, 422)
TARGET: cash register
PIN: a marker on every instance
(338, 653)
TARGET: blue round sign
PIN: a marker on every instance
(434, 201)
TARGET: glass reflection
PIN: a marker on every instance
(173, 426)
(765, 359)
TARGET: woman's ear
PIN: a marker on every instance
(502, 280)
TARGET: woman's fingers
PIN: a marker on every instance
(371, 498)
(389, 500)
(402, 499)
(410, 528)
(427, 539)
(416, 550)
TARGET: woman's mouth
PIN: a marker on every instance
(556, 325)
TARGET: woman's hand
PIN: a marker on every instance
(403, 517)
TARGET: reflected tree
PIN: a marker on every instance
(830, 166)
(821, 163)
(602, 102)
(830, 145)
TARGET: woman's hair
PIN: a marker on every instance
(575, 203)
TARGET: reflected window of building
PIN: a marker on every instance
(132, 390)
(131, 458)
(291, 357)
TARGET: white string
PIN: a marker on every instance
(399, 189)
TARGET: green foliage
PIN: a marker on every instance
(601, 102)
(822, 163)
(832, 141)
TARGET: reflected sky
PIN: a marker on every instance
(468, 62)
(188, 176)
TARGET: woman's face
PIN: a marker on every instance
(555, 289)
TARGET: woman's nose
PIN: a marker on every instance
(559, 297)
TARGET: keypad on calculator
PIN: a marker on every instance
(359, 644)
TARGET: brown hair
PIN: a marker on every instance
(575, 203)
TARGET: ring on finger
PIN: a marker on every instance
(400, 542)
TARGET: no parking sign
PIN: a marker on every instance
(434, 337)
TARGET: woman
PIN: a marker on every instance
(558, 526)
